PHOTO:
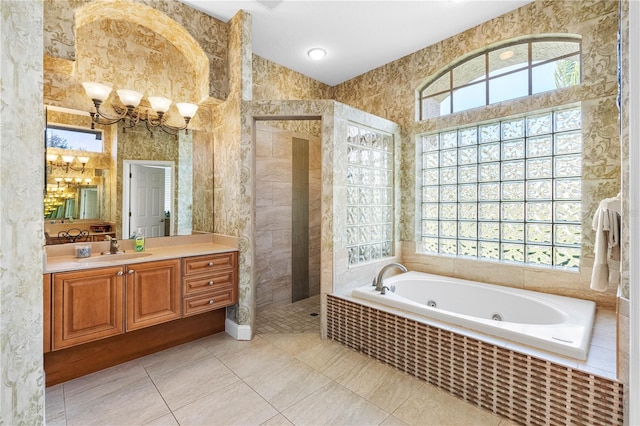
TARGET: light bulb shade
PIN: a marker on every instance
(159, 103)
(68, 180)
(67, 158)
(78, 180)
(97, 91)
(83, 160)
(129, 98)
(58, 179)
(52, 157)
(317, 53)
(186, 109)
(87, 181)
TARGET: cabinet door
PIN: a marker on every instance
(87, 306)
(153, 293)
(46, 312)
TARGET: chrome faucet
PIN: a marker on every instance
(377, 281)
(113, 246)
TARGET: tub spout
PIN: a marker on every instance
(379, 278)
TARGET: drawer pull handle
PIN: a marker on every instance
(131, 271)
(211, 302)
(210, 283)
(120, 273)
(210, 263)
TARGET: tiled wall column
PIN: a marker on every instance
(21, 213)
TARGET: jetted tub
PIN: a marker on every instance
(553, 323)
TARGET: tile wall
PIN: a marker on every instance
(273, 232)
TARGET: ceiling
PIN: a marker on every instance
(357, 35)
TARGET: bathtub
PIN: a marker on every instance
(557, 324)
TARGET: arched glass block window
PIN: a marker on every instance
(508, 71)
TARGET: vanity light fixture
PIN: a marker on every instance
(317, 53)
(129, 113)
(69, 182)
(66, 163)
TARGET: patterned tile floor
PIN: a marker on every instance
(302, 316)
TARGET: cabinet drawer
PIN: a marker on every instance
(208, 282)
(200, 264)
(208, 302)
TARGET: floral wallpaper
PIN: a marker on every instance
(60, 38)
(389, 91)
(624, 110)
(272, 81)
(232, 213)
(21, 214)
(202, 215)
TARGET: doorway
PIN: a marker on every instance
(287, 233)
(148, 198)
(89, 203)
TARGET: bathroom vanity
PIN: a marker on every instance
(110, 308)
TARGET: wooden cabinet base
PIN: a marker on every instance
(67, 364)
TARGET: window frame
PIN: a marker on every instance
(530, 67)
(552, 156)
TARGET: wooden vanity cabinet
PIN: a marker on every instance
(87, 305)
(209, 282)
(46, 312)
(153, 293)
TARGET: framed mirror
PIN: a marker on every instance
(85, 174)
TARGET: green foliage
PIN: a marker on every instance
(55, 141)
(567, 73)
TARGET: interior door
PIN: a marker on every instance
(146, 203)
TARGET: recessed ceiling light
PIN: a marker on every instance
(317, 53)
(507, 54)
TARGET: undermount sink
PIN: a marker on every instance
(108, 257)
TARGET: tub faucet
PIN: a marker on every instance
(377, 281)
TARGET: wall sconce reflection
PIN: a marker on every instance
(69, 182)
(66, 163)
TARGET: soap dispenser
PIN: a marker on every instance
(138, 241)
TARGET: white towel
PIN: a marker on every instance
(606, 264)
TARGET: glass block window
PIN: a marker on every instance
(508, 71)
(369, 195)
(506, 190)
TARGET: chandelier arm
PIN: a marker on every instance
(170, 130)
(121, 113)
(98, 119)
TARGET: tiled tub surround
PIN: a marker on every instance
(519, 383)
(554, 323)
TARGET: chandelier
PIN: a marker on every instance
(66, 163)
(131, 115)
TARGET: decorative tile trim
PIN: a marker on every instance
(522, 388)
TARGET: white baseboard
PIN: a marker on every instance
(237, 331)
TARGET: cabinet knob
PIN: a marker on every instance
(131, 271)
(211, 302)
(210, 263)
(120, 273)
(210, 283)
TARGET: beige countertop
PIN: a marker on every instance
(61, 258)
